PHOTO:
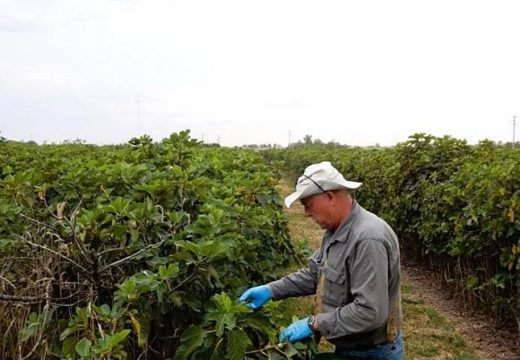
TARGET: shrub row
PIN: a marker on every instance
(455, 208)
(136, 251)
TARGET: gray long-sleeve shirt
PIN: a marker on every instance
(356, 278)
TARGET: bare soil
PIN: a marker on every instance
(479, 331)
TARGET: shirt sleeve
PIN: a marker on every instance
(300, 283)
(369, 287)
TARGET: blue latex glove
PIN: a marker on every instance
(257, 296)
(297, 331)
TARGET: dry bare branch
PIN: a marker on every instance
(84, 271)
(39, 222)
(22, 299)
(131, 256)
(7, 281)
(46, 309)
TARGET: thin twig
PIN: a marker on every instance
(80, 247)
(6, 280)
(7, 265)
(72, 225)
(193, 274)
(162, 211)
(264, 349)
(21, 299)
(149, 247)
(69, 304)
(39, 222)
(6, 334)
(105, 192)
(44, 322)
(83, 270)
(110, 250)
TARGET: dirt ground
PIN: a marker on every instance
(477, 330)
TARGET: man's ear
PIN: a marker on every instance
(332, 197)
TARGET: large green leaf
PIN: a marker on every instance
(224, 312)
(263, 325)
(237, 344)
(191, 339)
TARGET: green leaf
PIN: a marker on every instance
(191, 339)
(223, 319)
(275, 356)
(237, 344)
(290, 350)
(128, 289)
(168, 272)
(106, 345)
(117, 337)
(103, 310)
(68, 348)
(68, 331)
(83, 347)
(30, 328)
(262, 324)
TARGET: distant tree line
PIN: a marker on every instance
(309, 141)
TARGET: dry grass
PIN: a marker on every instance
(428, 333)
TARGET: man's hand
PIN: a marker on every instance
(257, 296)
(297, 331)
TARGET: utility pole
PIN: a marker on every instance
(514, 128)
(218, 139)
(289, 143)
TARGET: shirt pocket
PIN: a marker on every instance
(334, 287)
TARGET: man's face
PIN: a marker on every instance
(319, 208)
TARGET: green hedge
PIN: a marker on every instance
(137, 251)
(454, 206)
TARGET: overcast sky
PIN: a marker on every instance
(243, 72)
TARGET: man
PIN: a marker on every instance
(355, 274)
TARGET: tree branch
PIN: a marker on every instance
(39, 222)
(72, 226)
(22, 299)
(129, 257)
(83, 270)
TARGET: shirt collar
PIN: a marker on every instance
(345, 225)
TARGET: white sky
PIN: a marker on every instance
(356, 72)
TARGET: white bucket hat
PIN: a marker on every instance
(318, 178)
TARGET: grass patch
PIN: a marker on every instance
(428, 334)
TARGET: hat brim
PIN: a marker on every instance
(302, 194)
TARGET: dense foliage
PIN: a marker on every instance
(454, 206)
(137, 251)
